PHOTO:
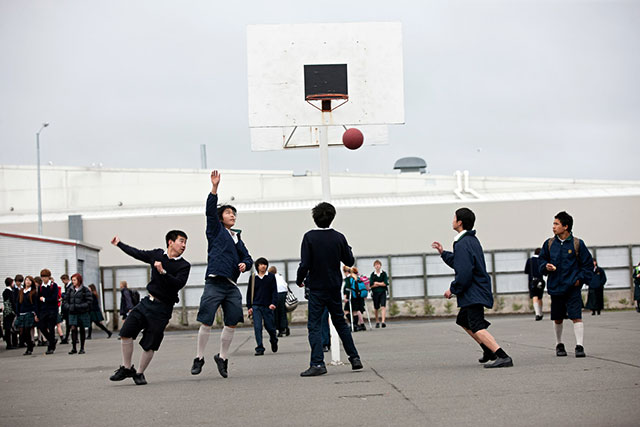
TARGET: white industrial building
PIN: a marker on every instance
(394, 217)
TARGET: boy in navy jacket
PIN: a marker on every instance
(322, 251)
(48, 297)
(568, 265)
(472, 287)
(262, 298)
(227, 258)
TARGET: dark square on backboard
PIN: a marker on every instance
(325, 79)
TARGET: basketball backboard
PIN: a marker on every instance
(289, 65)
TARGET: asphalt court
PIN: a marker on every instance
(421, 372)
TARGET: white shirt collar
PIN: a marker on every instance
(318, 228)
(459, 235)
(233, 234)
(167, 254)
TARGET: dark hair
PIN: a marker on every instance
(537, 251)
(565, 219)
(94, 291)
(65, 276)
(262, 261)
(32, 293)
(19, 278)
(174, 234)
(45, 272)
(37, 280)
(467, 217)
(8, 281)
(78, 276)
(223, 208)
(323, 214)
(377, 262)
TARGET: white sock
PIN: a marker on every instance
(225, 341)
(127, 352)
(558, 329)
(537, 306)
(203, 338)
(145, 359)
(578, 329)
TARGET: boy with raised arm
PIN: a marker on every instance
(472, 287)
(227, 258)
(169, 274)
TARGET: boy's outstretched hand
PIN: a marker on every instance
(115, 240)
(438, 247)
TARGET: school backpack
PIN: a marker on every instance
(576, 245)
(359, 289)
(135, 297)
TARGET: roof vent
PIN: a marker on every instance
(411, 164)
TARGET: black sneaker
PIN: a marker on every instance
(139, 379)
(500, 362)
(538, 318)
(384, 325)
(27, 353)
(73, 351)
(50, 351)
(326, 348)
(314, 371)
(81, 351)
(580, 351)
(121, 373)
(487, 357)
(356, 363)
(274, 346)
(280, 334)
(259, 353)
(64, 341)
(222, 365)
(197, 366)
(287, 332)
(560, 351)
(377, 325)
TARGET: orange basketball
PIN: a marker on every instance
(352, 139)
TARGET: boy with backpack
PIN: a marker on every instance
(355, 293)
(568, 265)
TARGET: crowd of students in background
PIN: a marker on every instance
(36, 309)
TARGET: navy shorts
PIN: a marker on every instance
(472, 318)
(567, 306)
(150, 317)
(219, 291)
(379, 299)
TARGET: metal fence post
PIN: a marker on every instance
(184, 320)
(424, 275)
(115, 298)
(390, 278)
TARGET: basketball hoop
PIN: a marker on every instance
(326, 99)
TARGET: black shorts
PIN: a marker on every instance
(567, 306)
(219, 291)
(150, 317)
(472, 317)
(535, 292)
(357, 304)
(379, 299)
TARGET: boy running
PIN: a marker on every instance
(472, 287)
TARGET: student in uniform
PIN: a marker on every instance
(169, 274)
(96, 313)
(282, 323)
(472, 287)
(227, 258)
(536, 283)
(568, 264)
(262, 297)
(379, 289)
(26, 307)
(48, 303)
(66, 286)
(322, 251)
(77, 301)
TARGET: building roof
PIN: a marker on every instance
(47, 239)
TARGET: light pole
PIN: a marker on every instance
(44, 125)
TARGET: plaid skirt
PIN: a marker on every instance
(82, 319)
(96, 316)
(26, 320)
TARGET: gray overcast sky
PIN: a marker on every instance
(502, 88)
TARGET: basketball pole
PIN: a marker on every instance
(323, 143)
